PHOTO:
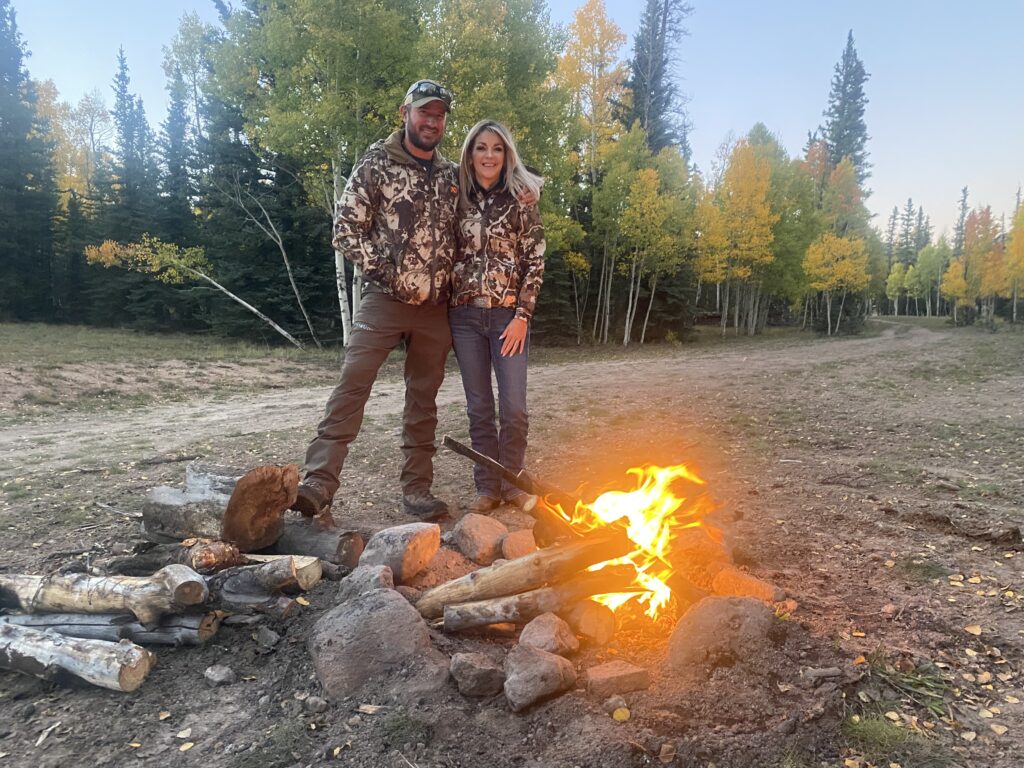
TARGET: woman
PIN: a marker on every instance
(497, 275)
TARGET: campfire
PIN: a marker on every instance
(650, 544)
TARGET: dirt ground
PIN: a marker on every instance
(878, 480)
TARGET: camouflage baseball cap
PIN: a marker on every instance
(425, 91)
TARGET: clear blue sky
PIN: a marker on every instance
(945, 106)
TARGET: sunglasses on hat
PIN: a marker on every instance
(423, 91)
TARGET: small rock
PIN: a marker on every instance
(220, 674)
(532, 675)
(479, 537)
(266, 639)
(594, 622)
(612, 703)
(264, 701)
(477, 674)
(551, 634)
(518, 544)
(315, 704)
(616, 677)
(406, 549)
(889, 610)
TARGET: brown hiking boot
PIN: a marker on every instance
(484, 504)
(424, 505)
(311, 501)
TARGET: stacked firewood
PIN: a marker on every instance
(92, 625)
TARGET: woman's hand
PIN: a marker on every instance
(514, 337)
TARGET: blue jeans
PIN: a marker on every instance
(475, 338)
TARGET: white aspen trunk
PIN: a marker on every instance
(247, 305)
(736, 300)
(839, 316)
(696, 298)
(650, 303)
(600, 292)
(828, 313)
(339, 265)
(608, 300)
(807, 305)
(631, 300)
(724, 309)
(270, 230)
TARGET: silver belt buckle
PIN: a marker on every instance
(481, 301)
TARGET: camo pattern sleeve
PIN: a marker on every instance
(531, 260)
(354, 219)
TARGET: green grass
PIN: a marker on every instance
(921, 569)
(51, 346)
(880, 740)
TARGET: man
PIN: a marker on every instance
(396, 220)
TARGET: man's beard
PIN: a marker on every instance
(419, 142)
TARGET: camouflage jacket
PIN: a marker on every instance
(500, 253)
(397, 221)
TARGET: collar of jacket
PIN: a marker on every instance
(396, 151)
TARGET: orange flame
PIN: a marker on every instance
(652, 515)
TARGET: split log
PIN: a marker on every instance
(308, 536)
(188, 629)
(520, 608)
(201, 555)
(169, 590)
(251, 516)
(120, 666)
(258, 588)
(255, 513)
(525, 573)
(287, 572)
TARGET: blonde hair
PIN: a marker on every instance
(518, 178)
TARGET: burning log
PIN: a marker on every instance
(120, 666)
(201, 555)
(258, 588)
(520, 608)
(552, 564)
(148, 598)
(188, 629)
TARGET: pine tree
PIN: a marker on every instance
(961, 226)
(28, 195)
(890, 238)
(844, 131)
(905, 252)
(176, 221)
(656, 101)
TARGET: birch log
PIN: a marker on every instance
(169, 590)
(189, 629)
(525, 573)
(520, 608)
(120, 666)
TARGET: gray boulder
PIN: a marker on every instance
(477, 674)
(405, 549)
(721, 631)
(549, 633)
(479, 537)
(374, 635)
(532, 675)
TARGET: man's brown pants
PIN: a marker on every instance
(381, 323)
